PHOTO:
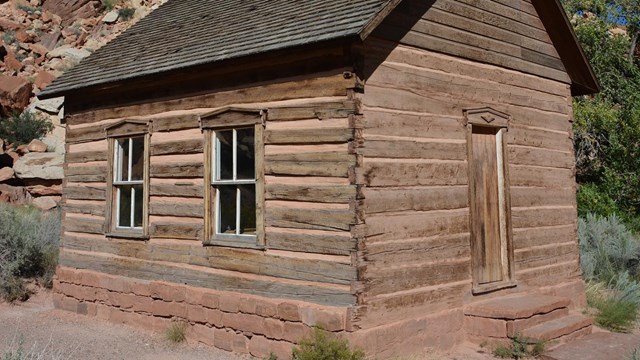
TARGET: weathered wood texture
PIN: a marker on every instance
(462, 54)
(309, 206)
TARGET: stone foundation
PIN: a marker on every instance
(230, 321)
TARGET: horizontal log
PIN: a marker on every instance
(87, 173)
(389, 280)
(174, 123)
(432, 126)
(532, 196)
(85, 208)
(540, 236)
(552, 140)
(537, 216)
(550, 275)
(176, 209)
(326, 110)
(171, 230)
(177, 170)
(84, 192)
(83, 225)
(205, 278)
(303, 218)
(379, 200)
(177, 190)
(414, 225)
(311, 193)
(194, 146)
(406, 149)
(224, 258)
(544, 256)
(86, 156)
(338, 244)
(308, 136)
(84, 134)
(414, 174)
(532, 176)
(436, 248)
(540, 157)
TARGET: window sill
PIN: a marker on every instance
(236, 243)
(127, 235)
(486, 288)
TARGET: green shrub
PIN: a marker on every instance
(20, 129)
(110, 4)
(29, 242)
(614, 311)
(324, 346)
(519, 348)
(176, 333)
(607, 248)
(9, 37)
(126, 13)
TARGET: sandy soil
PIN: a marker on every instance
(58, 335)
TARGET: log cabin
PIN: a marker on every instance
(397, 172)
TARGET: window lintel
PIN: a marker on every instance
(128, 128)
(486, 116)
(231, 117)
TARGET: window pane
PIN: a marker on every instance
(137, 158)
(248, 209)
(124, 210)
(224, 154)
(122, 163)
(246, 154)
(137, 207)
(227, 209)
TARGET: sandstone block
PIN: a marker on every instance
(43, 190)
(169, 309)
(11, 62)
(259, 346)
(44, 78)
(214, 317)
(289, 311)
(266, 308)
(168, 292)
(196, 313)
(201, 333)
(229, 303)
(46, 202)
(200, 296)
(273, 328)
(14, 195)
(240, 344)
(487, 327)
(47, 166)
(243, 322)
(294, 331)
(281, 349)
(6, 174)
(223, 339)
(37, 146)
(15, 93)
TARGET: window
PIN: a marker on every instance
(127, 182)
(234, 182)
(234, 194)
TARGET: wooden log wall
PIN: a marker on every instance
(310, 199)
(416, 257)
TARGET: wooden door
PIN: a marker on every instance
(487, 234)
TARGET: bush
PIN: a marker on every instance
(519, 348)
(324, 346)
(607, 248)
(176, 333)
(20, 129)
(126, 13)
(28, 249)
(617, 307)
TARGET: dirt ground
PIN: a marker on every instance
(55, 335)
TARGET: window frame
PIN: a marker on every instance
(224, 120)
(126, 129)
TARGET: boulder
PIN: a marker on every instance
(44, 78)
(46, 202)
(37, 146)
(38, 49)
(1, 146)
(111, 17)
(51, 106)
(15, 93)
(25, 37)
(70, 10)
(6, 24)
(49, 41)
(47, 166)
(22, 149)
(43, 190)
(69, 52)
(12, 62)
(14, 195)
(6, 173)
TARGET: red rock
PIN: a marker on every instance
(42, 190)
(12, 63)
(15, 93)
(6, 24)
(40, 60)
(6, 174)
(22, 149)
(24, 37)
(45, 202)
(37, 146)
(70, 10)
(38, 49)
(43, 78)
(1, 146)
(49, 41)
(48, 16)
(14, 195)
(13, 155)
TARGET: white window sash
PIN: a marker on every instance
(119, 184)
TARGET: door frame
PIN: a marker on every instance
(487, 117)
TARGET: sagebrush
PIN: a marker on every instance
(322, 345)
(20, 129)
(519, 348)
(29, 241)
(176, 332)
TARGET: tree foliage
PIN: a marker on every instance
(607, 125)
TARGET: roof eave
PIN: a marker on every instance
(557, 24)
(370, 26)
